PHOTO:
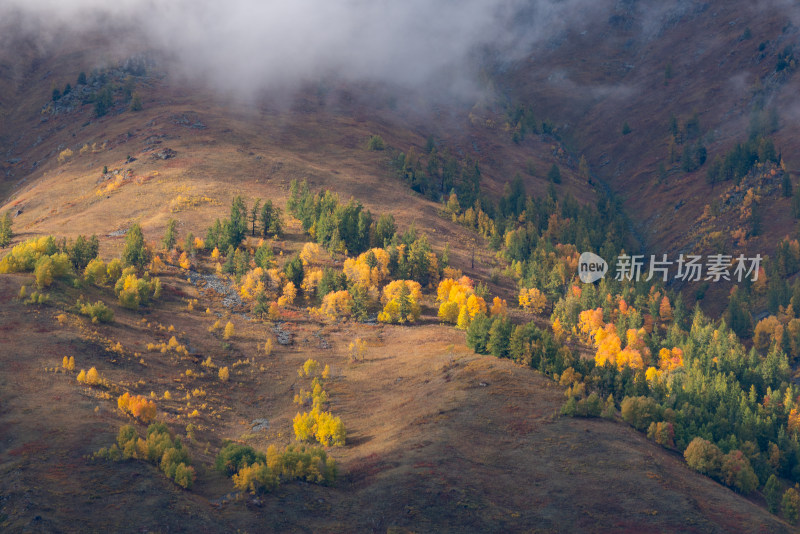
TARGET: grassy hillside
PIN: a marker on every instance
(439, 438)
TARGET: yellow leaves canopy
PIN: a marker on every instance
(335, 305)
(359, 271)
(532, 300)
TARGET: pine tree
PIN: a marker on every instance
(499, 334)
(404, 303)
(6, 233)
(135, 253)
(478, 333)
(169, 235)
(236, 228)
(262, 304)
(254, 212)
(790, 505)
(773, 491)
(554, 174)
(294, 270)
(786, 185)
(230, 264)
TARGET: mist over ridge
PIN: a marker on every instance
(245, 46)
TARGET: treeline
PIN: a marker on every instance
(436, 173)
(257, 472)
(532, 233)
(262, 219)
(350, 229)
(781, 298)
(76, 262)
(159, 447)
(741, 159)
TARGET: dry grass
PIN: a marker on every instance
(438, 438)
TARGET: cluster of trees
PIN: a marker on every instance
(41, 256)
(338, 227)
(521, 120)
(137, 406)
(347, 228)
(636, 354)
(159, 447)
(490, 335)
(460, 301)
(676, 375)
(354, 291)
(103, 97)
(51, 260)
(688, 369)
(703, 383)
(98, 311)
(257, 472)
(262, 219)
(532, 300)
(68, 363)
(737, 163)
(171, 345)
(401, 300)
(694, 153)
(91, 377)
(437, 173)
(732, 469)
(526, 344)
(578, 403)
(317, 424)
(782, 299)
(133, 291)
(540, 236)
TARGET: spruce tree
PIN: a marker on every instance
(169, 235)
(6, 233)
(135, 253)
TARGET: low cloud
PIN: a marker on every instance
(249, 46)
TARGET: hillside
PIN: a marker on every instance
(727, 68)
(439, 437)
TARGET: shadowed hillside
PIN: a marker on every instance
(448, 427)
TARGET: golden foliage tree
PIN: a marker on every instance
(229, 330)
(224, 374)
(401, 300)
(532, 300)
(336, 305)
(138, 406)
(357, 349)
(312, 253)
(665, 310)
(499, 307)
(289, 294)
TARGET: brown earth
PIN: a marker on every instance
(439, 439)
